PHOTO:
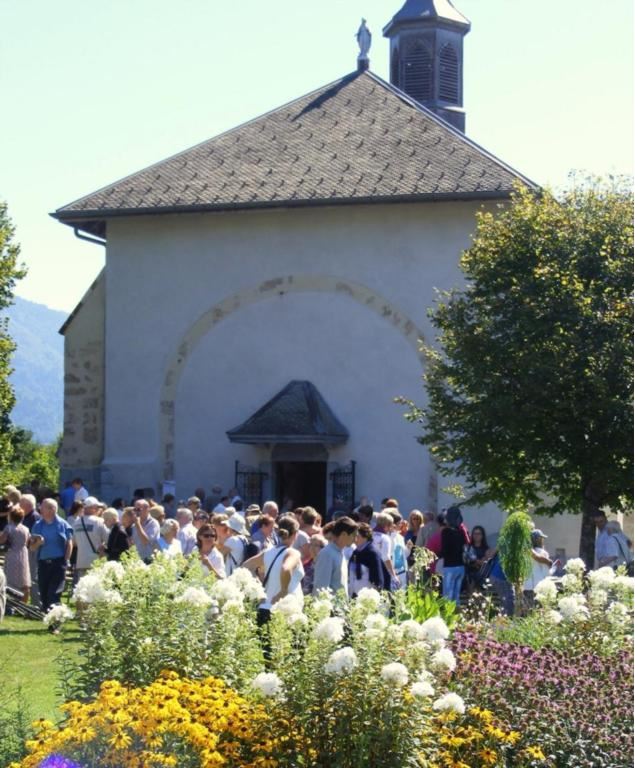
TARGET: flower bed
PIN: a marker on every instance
(335, 683)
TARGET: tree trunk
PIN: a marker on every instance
(591, 501)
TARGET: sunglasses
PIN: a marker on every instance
(207, 536)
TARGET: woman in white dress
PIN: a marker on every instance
(281, 566)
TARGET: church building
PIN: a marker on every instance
(265, 293)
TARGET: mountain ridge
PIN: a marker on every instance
(38, 368)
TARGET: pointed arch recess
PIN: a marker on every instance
(266, 290)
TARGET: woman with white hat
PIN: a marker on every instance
(541, 562)
(232, 540)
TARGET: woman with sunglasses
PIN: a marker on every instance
(211, 559)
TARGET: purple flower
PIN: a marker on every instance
(58, 761)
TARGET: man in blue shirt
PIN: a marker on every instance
(52, 539)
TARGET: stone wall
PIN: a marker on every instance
(83, 442)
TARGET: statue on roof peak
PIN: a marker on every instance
(364, 38)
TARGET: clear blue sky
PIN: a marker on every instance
(94, 90)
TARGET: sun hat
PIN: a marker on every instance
(237, 523)
(91, 501)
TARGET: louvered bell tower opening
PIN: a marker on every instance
(426, 56)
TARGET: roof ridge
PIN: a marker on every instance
(351, 76)
(445, 124)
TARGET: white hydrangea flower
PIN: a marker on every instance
(395, 674)
(113, 570)
(249, 585)
(297, 619)
(395, 633)
(424, 676)
(573, 608)
(598, 597)
(421, 689)
(617, 614)
(624, 584)
(341, 662)
(444, 660)
(435, 629)
(288, 606)
(412, 630)
(546, 592)
(575, 566)
(571, 582)
(369, 598)
(603, 578)
(224, 590)
(90, 589)
(268, 684)
(330, 629)
(57, 615)
(450, 702)
(322, 606)
(233, 606)
(195, 596)
(553, 616)
(375, 624)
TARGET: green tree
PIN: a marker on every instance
(10, 272)
(514, 551)
(530, 385)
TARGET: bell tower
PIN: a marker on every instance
(426, 56)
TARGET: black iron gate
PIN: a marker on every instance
(343, 484)
(249, 482)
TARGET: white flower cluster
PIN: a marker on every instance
(92, 589)
(573, 607)
(330, 629)
(450, 702)
(341, 662)
(395, 674)
(369, 599)
(444, 660)
(546, 592)
(575, 566)
(57, 615)
(195, 596)
(268, 684)
(375, 624)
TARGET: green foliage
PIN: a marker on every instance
(514, 547)
(530, 386)
(10, 272)
(31, 462)
(421, 604)
(15, 726)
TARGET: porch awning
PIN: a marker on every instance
(297, 414)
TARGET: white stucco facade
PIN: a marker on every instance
(208, 316)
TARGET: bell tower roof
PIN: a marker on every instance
(424, 10)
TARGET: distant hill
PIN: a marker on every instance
(38, 362)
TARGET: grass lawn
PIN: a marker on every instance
(29, 654)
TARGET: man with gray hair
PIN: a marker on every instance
(187, 532)
(145, 531)
(90, 535)
(31, 516)
(52, 540)
(269, 509)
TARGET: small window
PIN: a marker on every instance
(418, 72)
(394, 68)
(449, 74)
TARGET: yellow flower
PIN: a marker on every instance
(535, 753)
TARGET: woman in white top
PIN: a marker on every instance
(210, 558)
(281, 566)
(541, 562)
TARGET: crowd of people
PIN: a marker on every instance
(293, 550)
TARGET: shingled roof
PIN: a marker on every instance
(297, 414)
(358, 140)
